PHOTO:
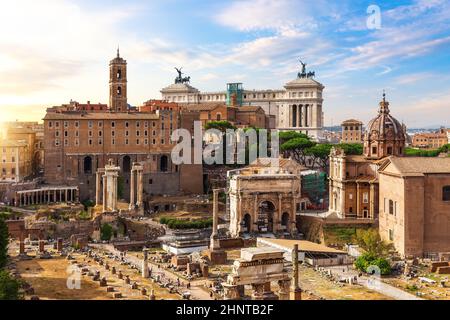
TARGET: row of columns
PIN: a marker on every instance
(301, 115)
(110, 176)
(46, 196)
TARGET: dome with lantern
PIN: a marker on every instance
(384, 135)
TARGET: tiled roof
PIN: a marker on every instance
(420, 165)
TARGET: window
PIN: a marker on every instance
(66, 124)
(446, 193)
(113, 141)
(90, 133)
(50, 124)
(90, 142)
(391, 235)
(374, 150)
(77, 124)
(365, 197)
(126, 124)
(391, 207)
(350, 196)
(113, 124)
(126, 141)
(100, 124)
(90, 124)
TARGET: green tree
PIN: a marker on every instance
(106, 232)
(285, 136)
(296, 148)
(320, 154)
(370, 241)
(351, 148)
(4, 240)
(9, 287)
(221, 125)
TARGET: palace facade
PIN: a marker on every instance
(296, 107)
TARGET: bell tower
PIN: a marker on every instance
(118, 84)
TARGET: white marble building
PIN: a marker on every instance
(296, 107)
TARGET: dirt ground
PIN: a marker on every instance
(424, 290)
(49, 279)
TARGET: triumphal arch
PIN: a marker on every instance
(264, 198)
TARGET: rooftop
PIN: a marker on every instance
(418, 166)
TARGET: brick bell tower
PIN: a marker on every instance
(118, 84)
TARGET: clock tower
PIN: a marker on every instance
(118, 84)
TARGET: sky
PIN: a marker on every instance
(52, 51)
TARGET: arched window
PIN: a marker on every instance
(87, 165)
(119, 90)
(119, 74)
(126, 164)
(163, 164)
(446, 193)
(218, 117)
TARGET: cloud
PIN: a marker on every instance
(49, 40)
(413, 78)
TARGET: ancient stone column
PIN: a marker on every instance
(299, 116)
(21, 244)
(132, 190)
(214, 234)
(59, 244)
(98, 176)
(145, 272)
(140, 186)
(296, 292)
(283, 292)
(41, 246)
(105, 194)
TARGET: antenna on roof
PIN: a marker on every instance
(384, 95)
(118, 55)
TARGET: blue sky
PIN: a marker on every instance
(57, 50)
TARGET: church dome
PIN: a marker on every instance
(384, 135)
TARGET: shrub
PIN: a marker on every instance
(4, 239)
(9, 287)
(366, 260)
(106, 232)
